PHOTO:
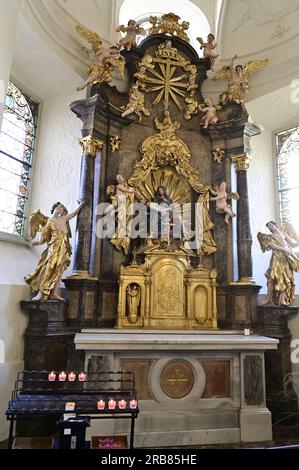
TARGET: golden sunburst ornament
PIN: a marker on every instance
(169, 74)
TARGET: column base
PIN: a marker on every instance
(244, 281)
(255, 425)
(82, 297)
(82, 275)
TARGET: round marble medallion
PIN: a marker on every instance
(177, 379)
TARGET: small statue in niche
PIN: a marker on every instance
(133, 30)
(211, 112)
(133, 301)
(121, 196)
(208, 48)
(55, 231)
(221, 201)
(280, 274)
(136, 103)
(106, 60)
(238, 77)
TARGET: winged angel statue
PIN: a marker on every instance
(106, 59)
(280, 274)
(238, 77)
(55, 231)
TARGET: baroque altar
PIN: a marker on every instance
(165, 303)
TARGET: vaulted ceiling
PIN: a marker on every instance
(253, 29)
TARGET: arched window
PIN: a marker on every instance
(141, 11)
(17, 141)
(287, 148)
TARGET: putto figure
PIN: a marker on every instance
(280, 274)
(133, 30)
(136, 103)
(208, 48)
(106, 60)
(55, 231)
(239, 80)
(211, 112)
(221, 201)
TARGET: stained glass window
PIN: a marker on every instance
(287, 148)
(17, 141)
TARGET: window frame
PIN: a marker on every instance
(291, 125)
(10, 237)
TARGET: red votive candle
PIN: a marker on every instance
(122, 404)
(62, 377)
(72, 377)
(101, 405)
(82, 377)
(111, 404)
(133, 404)
(52, 377)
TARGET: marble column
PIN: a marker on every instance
(10, 10)
(244, 237)
(81, 269)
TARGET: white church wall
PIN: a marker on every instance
(275, 111)
(55, 177)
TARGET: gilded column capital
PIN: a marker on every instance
(90, 145)
(241, 161)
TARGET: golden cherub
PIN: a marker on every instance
(133, 30)
(106, 59)
(136, 103)
(238, 80)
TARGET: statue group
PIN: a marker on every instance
(172, 79)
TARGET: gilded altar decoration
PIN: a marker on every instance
(121, 196)
(173, 294)
(222, 207)
(169, 75)
(136, 104)
(115, 142)
(165, 150)
(239, 80)
(169, 24)
(218, 155)
(106, 59)
(132, 30)
(280, 274)
(90, 145)
(55, 232)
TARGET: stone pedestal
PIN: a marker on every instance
(241, 305)
(46, 337)
(82, 296)
(273, 321)
(193, 388)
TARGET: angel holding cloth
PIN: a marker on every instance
(280, 274)
(55, 259)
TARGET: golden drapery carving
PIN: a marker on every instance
(166, 149)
